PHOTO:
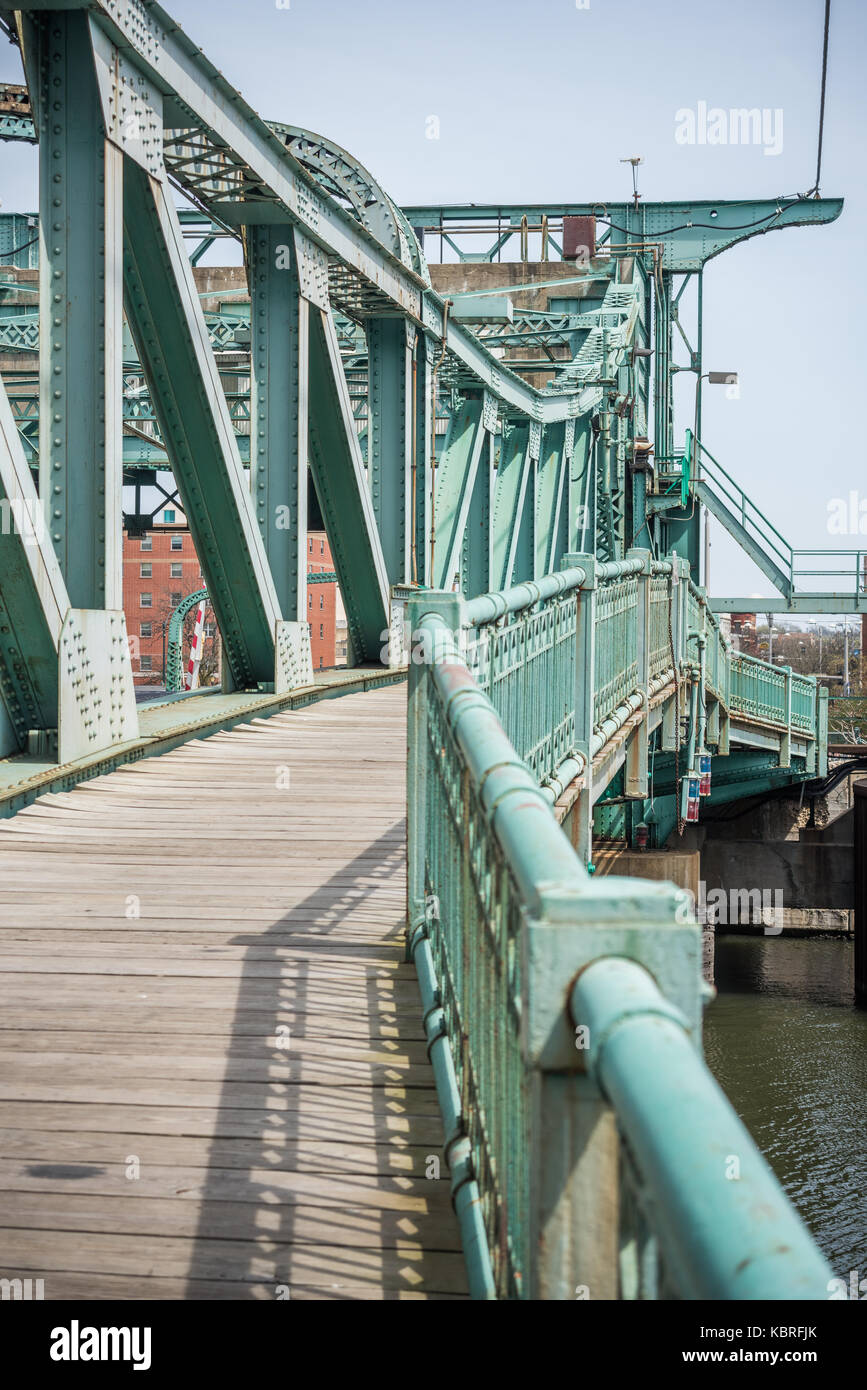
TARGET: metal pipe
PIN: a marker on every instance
(518, 812)
(466, 1198)
(693, 714)
(702, 687)
(414, 427)
(618, 569)
(570, 768)
(487, 608)
(725, 1226)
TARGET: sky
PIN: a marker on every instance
(541, 101)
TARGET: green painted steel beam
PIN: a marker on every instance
(691, 233)
(389, 438)
(477, 555)
(80, 311)
(453, 489)
(164, 314)
(33, 600)
(278, 449)
(580, 494)
(798, 602)
(513, 509)
(551, 524)
(341, 487)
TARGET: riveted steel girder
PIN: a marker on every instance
(580, 495)
(80, 311)
(551, 501)
(389, 438)
(167, 323)
(514, 492)
(477, 559)
(33, 599)
(689, 233)
(234, 164)
(347, 508)
(279, 372)
(453, 489)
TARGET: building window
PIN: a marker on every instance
(146, 600)
(321, 629)
(147, 543)
(310, 545)
(146, 630)
(177, 542)
(210, 629)
(147, 662)
(321, 547)
(168, 515)
(177, 570)
(146, 571)
(175, 599)
(321, 600)
(309, 600)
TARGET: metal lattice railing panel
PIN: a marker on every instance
(518, 950)
(758, 689)
(474, 927)
(526, 667)
(616, 644)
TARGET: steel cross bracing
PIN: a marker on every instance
(433, 459)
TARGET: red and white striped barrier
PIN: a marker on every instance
(191, 675)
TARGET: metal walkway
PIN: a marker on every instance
(227, 1095)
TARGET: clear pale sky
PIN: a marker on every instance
(540, 101)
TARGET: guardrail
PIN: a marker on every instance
(589, 1147)
(838, 572)
(569, 659)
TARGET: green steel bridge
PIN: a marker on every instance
(215, 899)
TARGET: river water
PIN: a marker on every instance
(786, 1044)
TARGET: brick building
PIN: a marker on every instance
(324, 610)
(161, 568)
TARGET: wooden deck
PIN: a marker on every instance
(213, 1078)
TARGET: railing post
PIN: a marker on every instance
(574, 1152)
(416, 605)
(678, 611)
(585, 681)
(786, 740)
(726, 698)
(822, 731)
(637, 756)
(680, 567)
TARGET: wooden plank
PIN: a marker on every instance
(265, 913)
(305, 1155)
(313, 1224)
(300, 1125)
(263, 1261)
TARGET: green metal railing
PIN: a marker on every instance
(616, 667)
(645, 622)
(563, 1021)
(838, 572)
(523, 657)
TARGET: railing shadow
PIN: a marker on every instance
(312, 1189)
